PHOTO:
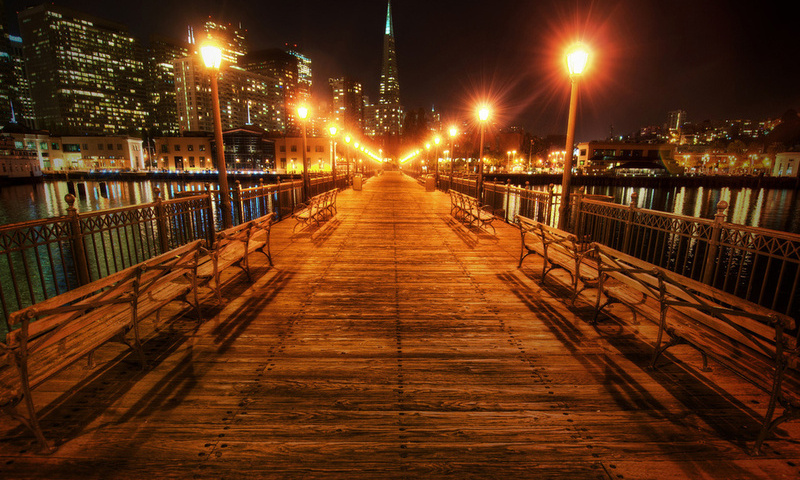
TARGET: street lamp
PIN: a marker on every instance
(453, 133)
(436, 141)
(332, 131)
(577, 59)
(483, 115)
(347, 161)
(302, 113)
(212, 58)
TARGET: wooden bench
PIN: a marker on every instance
(53, 334)
(558, 249)
(752, 341)
(233, 247)
(318, 209)
(469, 211)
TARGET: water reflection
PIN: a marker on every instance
(20, 203)
(773, 209)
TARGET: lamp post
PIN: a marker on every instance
(576, 62)
(436, 141)
(302, 113)
(453, 133)
(483, 115)
(212, 58)
(347, 161)
(332, 131)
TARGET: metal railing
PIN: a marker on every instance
(757, 264)
(44, 258)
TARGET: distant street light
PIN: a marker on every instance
(436, 141)
(212, 58)
(302, 112)
(347, 161)
(453, 133)
(332, 131)
(577, 59)
(483, 115)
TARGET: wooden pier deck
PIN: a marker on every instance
(395, 343)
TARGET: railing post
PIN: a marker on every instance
(237, 198)
(508, 197)
(210, 216)
(547, 214)
(713, 243)
(161, 221)
(626, 239)
(576, 213)
(76, 240)
(262, 196)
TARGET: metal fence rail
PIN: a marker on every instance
(757, 264)
(44, 258)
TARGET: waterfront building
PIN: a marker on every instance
(389, 111)
(347, 108)
(288, 154)
(162, 103)
(787, 164)
(22, 151)
(193, 151)
(245, 97)
(607, 157)
(248, 148)
(98, 152)
(86, 74)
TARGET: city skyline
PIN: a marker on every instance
(716, 60)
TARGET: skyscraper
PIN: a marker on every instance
(389, 109)
(161, 83)
(6, 70)
(86, 74)
(291, 72)
(347, 109)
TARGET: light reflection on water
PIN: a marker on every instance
(19, 203)
(773, 209)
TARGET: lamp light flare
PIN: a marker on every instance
(577, 59)
(453, 131)
(212, 56)
(302, 112)
(483, 113)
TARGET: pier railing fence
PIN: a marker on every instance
(757, 264)
(43, 258)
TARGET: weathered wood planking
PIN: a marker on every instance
(393, 342)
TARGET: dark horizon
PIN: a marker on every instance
(715, 59)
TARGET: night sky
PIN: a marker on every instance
(715, 59)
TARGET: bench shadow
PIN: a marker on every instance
(470, 236)
(699, 396)
(117, 372)
(236, 322)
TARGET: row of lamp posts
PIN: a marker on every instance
(212, 58)
(577, 60)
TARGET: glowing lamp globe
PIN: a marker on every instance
(212, 56)
(577, 59)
